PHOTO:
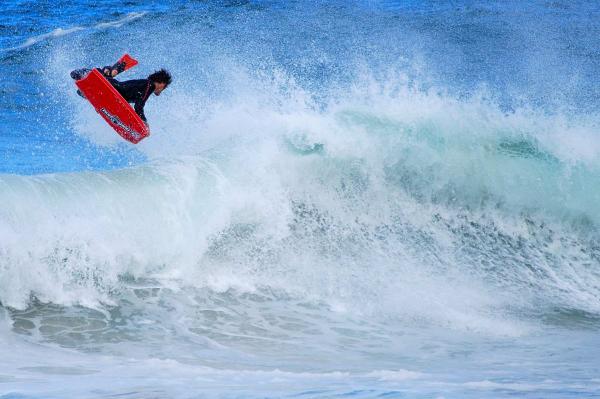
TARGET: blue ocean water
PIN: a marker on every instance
(369, 198)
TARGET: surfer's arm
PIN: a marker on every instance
(139, 107)
(141, 101)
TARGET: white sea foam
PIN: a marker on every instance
(374, 222)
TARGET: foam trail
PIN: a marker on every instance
(59, 32)
(119, 22)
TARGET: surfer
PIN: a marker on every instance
(135, 91)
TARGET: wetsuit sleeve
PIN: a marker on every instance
(139, 108)
(141, 101)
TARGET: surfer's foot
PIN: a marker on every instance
(79, 73)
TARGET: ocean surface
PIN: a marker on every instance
(339, 199)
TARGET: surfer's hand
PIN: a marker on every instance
(111, 73)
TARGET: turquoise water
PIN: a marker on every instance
(338, 199)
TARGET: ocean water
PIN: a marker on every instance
(370, 198)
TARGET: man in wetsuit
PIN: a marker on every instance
(134, 91)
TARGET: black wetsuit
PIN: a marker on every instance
(134, 91)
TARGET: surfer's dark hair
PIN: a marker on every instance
(161, 76)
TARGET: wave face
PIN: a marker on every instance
(350, 198)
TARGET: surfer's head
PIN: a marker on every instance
(161, 79)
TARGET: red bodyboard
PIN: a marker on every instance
(112, 107)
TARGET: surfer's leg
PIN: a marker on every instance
(112, 71)
(114, 83)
